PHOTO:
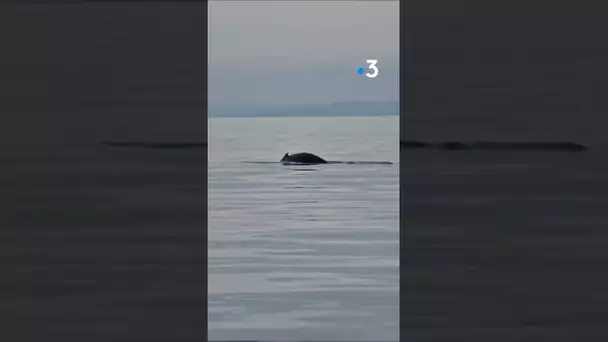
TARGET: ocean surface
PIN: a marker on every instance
(304, 252)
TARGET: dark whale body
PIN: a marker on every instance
(304, 157)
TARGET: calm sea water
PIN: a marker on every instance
(303, 252)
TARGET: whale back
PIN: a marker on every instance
(304, 157)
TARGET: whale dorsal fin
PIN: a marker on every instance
(285, 156)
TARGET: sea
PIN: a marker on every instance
(304, 252)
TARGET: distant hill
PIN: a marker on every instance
(355, 108)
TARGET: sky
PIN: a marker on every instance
(302, 52)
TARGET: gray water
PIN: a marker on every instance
(303, 252)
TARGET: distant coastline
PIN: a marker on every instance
(355, 108)
(298, 116)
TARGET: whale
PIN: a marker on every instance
(304, 158)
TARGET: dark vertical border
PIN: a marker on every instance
(205, 175)
(45, 293)
(206, 167)
(536, 283)
(403, 90)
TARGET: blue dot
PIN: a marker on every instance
(360, 71)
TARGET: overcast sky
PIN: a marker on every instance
(300, 52)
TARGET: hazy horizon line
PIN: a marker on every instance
(299, 104)
(299, 115)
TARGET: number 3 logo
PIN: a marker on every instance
(372, 66)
